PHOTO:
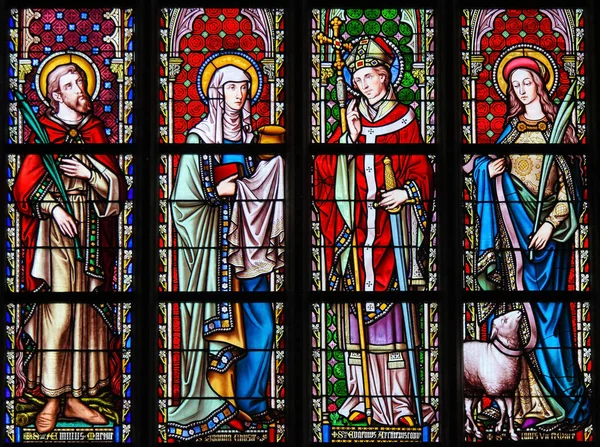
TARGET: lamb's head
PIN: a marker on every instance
(506, 329)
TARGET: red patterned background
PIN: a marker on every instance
(536, 29)
(66, 33)
(195, 47)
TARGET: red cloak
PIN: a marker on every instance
(91, 130)
(29, 179)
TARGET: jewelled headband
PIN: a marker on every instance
(369, 52)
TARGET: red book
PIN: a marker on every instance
(221, 172)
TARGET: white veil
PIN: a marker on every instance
(222, 122)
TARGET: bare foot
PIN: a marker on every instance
(74, 408)
(46, 419)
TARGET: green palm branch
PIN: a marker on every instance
(48, 160)
(563, 117)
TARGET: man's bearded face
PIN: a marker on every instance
(73, 93)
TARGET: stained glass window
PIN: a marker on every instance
(221, 372)
(222, 225)
(523, 76)
(527, 363)
(201, 50)
(518, 237)
(372, 73)
(209, 239)
(70, 223)
(364, 238)
(224, 68)
(530, 364)
(301, 233)
(371, 379)
(373, 226)
(68, 372)
(74, 68)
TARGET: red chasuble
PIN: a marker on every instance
(32, 177)
(413, 171)
(398, 126)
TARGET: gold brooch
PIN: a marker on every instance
(539, 126)
(73, 133)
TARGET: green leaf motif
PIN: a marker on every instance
(354, 13)
(408, 80)
(338, 355)
(339, 371)
(372, 13)
(405, 30)
(389, 13)
(340, 388)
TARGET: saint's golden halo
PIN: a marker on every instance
(236, 61)
(68, 57)
(524, 50)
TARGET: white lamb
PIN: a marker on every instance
(494, 368)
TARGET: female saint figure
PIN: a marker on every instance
(230, 237)
(515, 255)
(531, 112)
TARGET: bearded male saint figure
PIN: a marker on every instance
(353, 206)
(69, 341)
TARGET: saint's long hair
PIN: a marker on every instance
(516, 107)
